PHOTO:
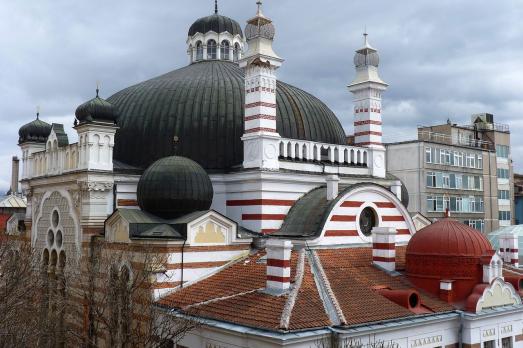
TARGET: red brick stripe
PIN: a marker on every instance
(514, 261)
(393, 218)
(343, 218)
(278, 263)
(260, 129)
(385, 204)
(247, 217)
(253, 105)
(403, 232)
(251, 202)
(384, 246)
(513, 250)
(279, 279)
(359, 134)
(383, 259)
(361, 123)
(260, 117)
(127, 203)
(351, 204)
(341, 233)
(269, 230)
(368, 143)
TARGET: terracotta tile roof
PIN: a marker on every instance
(354, 291)
(235, 294)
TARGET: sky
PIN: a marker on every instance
(442, 59)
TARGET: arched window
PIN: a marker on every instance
(225, 50)
(199, 51)
(211, 49)
(236, 52)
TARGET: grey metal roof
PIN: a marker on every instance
(174, 186)
(61, 135)
(203, 104)
(308, 215)
(216, 23)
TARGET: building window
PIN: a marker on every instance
(506, 342)
(224, 50)
(489, 344)
(211, 49)
(428, 155)
(431, 179)
(368, 221)
(502, 151)
(236, 52)
(503, 173)
(504, 215)
(503, 194)
(199, 51)
(477, 224)
(479, 162)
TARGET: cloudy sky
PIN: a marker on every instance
(443, 59)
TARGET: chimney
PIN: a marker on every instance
(445, 290)
(384, 248)
(278, 265)
(332, 186)
(14, 175)
(509, 243)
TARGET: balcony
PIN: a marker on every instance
(446, 139)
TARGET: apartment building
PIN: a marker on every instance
(463, 169)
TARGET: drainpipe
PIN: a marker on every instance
(181, 275)
(460, 332)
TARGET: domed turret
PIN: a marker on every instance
(96, 109)
(217, 23)
(174, 186)
(447, 250)
(366, 56)
(35, 131)
(260, 26)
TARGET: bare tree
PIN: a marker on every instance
(117, 290)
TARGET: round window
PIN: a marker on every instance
(59, 239)
(367, 221)
(55, 218)
(50, 238)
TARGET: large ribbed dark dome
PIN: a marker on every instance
(216, 23)
(203, 104)
(174, 186)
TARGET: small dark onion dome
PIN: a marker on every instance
(217, 23)
(174, 186)
(96, 109)
(35, 131)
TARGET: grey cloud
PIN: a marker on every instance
(441, 58)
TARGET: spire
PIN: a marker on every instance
(97, 88)
(215, 6)
(259, 12)
(38, 112)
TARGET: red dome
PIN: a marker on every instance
(447, 250)
(448, 237)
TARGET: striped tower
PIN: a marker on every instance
(511, 248)
(260, 138)
(384, 247)
(278, 265)
(366, 89)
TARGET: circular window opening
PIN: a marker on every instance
(413, 300)
(367, 221)
(59, 239)
(55, 218)
(50, 238)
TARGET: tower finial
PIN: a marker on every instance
(97, 88)
(259, 3)
(38, 112)
(365, 37)
(216, 6)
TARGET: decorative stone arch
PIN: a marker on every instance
(350, 204)
(61, 201)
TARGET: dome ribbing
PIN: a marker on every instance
(35, 131)
(216, 23)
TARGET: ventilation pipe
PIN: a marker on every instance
(278, 265)
(409, 299)
(332, 187)
(384, 248)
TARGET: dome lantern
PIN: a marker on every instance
(174, 186)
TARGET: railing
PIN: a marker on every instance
(499, 127)
(451, 140)
(303, 150)
(54, 162)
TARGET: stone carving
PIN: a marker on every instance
(93, 186)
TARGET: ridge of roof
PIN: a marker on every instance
(291, 300)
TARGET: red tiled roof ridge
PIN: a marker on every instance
(291, 300)
(223, 298)
(325, 282)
